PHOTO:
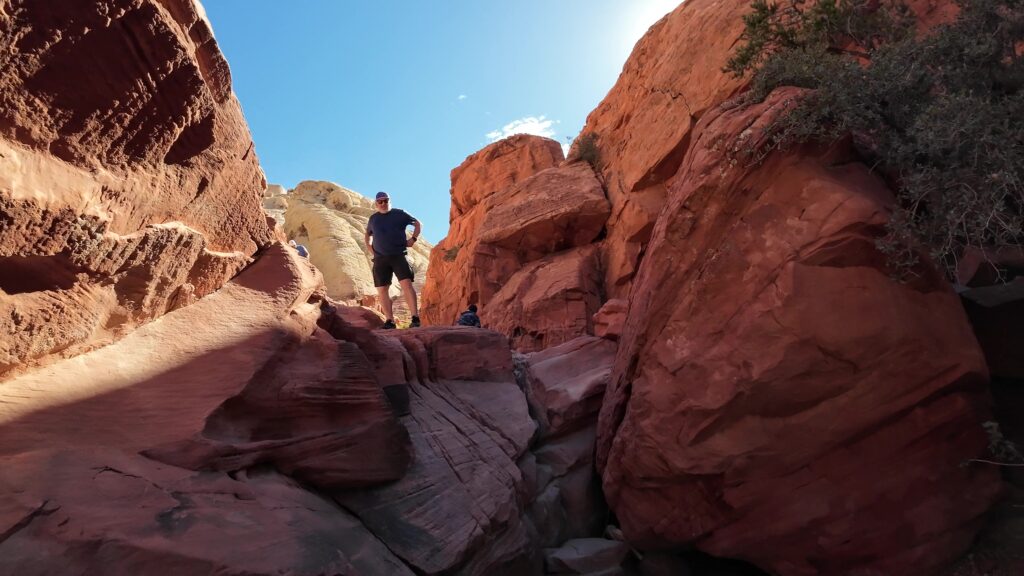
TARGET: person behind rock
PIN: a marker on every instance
(469, 317)
(299, 248)
(387, 230)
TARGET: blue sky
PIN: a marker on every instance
(392, 95)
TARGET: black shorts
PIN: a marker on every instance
(385, 266)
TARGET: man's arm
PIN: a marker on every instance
(366, 239)
(415, 233)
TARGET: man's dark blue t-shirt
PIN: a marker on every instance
(388, 231)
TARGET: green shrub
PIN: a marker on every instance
(451, 254)
(585, 148)
(939, 114)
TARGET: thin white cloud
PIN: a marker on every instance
(538, 126)
(462, 97)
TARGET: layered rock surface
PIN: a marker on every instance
(774, 382)
(331, 221)
(523, 249)
(644, 125)
(174, 454)
(455, 280)
(565, 386)
(548, 301)
(128, 182)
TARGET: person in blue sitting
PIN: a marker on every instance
(469, 317)
(299, 248)
(387, 229)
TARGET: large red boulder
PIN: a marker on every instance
(128, 182)
(548, 301)
(500, 166)
(525, 253)
(558, 209)
(565, 384)
(777, 396)
(453, 276)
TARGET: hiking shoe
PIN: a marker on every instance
(415, 322)
(389, 325)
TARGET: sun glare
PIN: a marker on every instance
(641, 15)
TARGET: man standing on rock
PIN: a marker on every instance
(387, 228)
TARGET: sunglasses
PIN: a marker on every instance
(385, 201)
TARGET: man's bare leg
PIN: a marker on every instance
(409, 293)
(384, 300)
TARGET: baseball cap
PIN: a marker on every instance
(382, 196)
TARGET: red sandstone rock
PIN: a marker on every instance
(357, 316)
(243, 381)
(127, 177)
(565, 383)
(644, 124)
(558, 209)
(315, 412)
(549, 301)
(500, 166)
(777, 397)
(490, 256)
(259, 385)
(458, 507)
(567, 501)
(104, 511)
(461, 271)
(610, 319)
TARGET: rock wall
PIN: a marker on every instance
(644, 125)
(769, 366)
(331, 221)
(456, 276)
(128, 181)
(275, 203)
(776, 392)
(523, 249)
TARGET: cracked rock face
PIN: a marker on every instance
(527, 251)
(777, 397)
(128, 182)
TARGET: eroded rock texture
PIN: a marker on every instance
(645, 123)
(243, 382)
(643, 129)
(252, 433)
(523, 250)
(564, 386)
(548, 301)
(128, 183)
(777, 396)
(455, 280)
